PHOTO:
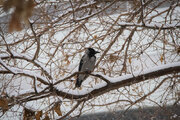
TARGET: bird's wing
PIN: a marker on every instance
(81, 63)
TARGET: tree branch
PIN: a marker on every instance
(26, 58)
(37, 40)
(16, 71)
(123, 81)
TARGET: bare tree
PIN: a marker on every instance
(138, 65)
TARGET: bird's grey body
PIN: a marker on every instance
(87, 64)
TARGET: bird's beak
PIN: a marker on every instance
(97, 52)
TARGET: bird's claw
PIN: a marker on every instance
(87, 72)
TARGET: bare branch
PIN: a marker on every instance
(122, 83)
(37, 41)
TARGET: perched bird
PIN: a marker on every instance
(87, 64)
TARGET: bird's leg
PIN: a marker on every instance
(88, 72)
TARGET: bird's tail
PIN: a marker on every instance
(78, 83)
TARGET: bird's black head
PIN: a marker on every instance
(91, 52)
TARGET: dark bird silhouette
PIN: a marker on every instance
(87, 64)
